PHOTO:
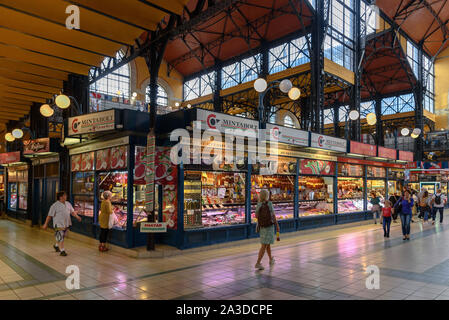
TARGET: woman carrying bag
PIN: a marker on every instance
(106, 219)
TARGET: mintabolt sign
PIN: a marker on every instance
(153, 227)
(222, 122)
(329, 143)
(288, 135)
(36, 146)
(93, 122)
(9, 157)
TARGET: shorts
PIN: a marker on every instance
(60, 233)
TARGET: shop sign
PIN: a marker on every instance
(153, 227)
(317, 167)
(386, 153)
(9, 157)
(371, 163)
(329, 143)
(405, 156)
(36, 146)
(298, 154)
(222, 122)
(363, 148)
(288, 135)
(93, 122)
(103, 161)
(87, 161)
(100, 145)
(118, 158)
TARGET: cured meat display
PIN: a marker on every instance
(213, 199)
(281, 190)
(117, 183)
(347, 206)
(83, 193)
(315, 208)
(351, 191)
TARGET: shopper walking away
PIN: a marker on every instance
(406, 203)
(266, 223)
(375, 201)
(420, 196)
(415, 206)
(394, 199)
(438, 202)
(424, 206)
(60, 211)
(104, 219)
(386, 218)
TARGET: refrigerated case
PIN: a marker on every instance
(376, 182)
(350, 186)
(18, 189)
(396, 181)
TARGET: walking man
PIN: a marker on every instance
(60, 211)
(438, 201)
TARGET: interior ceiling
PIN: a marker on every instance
(38, 52)
(423, 20)
(234, 31)
(385, 66)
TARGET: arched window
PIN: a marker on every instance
(162, 99)
(288, 121)
(117, 83)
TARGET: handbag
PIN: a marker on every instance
(112, 220)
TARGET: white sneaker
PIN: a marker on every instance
(259, 266)
(272, 261)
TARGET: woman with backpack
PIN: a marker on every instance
(438, 201)
(266, 222)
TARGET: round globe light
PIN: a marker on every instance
(371, 119)
(285, 85)
(189, 106)
(17, 133)
(9, 137)
(260, 85)
(294, 93)
(176, 104)
(134, 94)
(405, 132)
(46, 110)
(354, 115)
(415, 133)
(62, 101)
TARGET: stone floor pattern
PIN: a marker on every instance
(320, 265)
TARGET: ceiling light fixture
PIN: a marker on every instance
(46, 110)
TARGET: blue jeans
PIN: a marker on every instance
(425, 212)
(406, 219)
(434, 213)
(386, 225)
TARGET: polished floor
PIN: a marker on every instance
(321, 265)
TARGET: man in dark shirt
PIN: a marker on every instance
(393, 199)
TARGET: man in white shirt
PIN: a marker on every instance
(60, 211)
(438, 201)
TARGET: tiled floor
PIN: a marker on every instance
(321, 265)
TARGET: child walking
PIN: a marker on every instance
(386, 214)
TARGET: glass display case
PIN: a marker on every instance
(350, 194)
(23, 195)
(117, 183)
(213, 199)
(18, 188)
(315, 196)
(83, 193)
(281, 188)
(12, 195)
(379, 186)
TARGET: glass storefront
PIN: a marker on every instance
(350, 188)
(18, 188)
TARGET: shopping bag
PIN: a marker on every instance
(112, 220)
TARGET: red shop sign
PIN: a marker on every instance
(363, 148)
(87, 161)
(387, 153)
(139, 166)
(406, 156)
(103, 162)
(36, 146)
(118, 158)
(9, 157)
(317, 167)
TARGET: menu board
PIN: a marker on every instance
(103, 159)
(350, 170)
(317, 167)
